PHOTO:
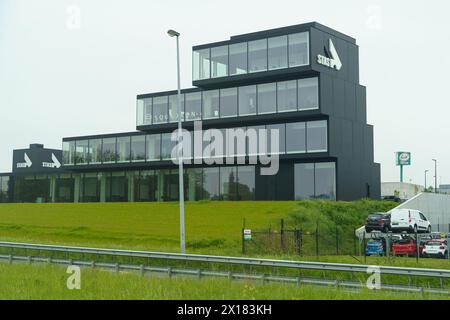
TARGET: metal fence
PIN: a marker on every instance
(322, 240)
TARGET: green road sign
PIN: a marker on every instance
(403, 158)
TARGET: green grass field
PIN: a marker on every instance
(21, 281)
(211, 227)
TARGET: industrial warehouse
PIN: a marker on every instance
(301, 80)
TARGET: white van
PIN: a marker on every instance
(410, 220)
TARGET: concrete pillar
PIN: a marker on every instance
(53, 187)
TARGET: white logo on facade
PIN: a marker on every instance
(54, 164)
(26, 164)
(333, 61)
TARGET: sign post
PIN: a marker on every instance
(402, 159)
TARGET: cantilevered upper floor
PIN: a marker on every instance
(299, 71)
(274, 54)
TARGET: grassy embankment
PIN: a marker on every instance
(49, 282)
(211, 227)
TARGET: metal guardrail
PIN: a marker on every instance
(322, 266)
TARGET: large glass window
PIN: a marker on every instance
(95, 151)
(287, 96)
(194, 184)
(247, 100)
(228, 102)
(4, 189)
(201, 64)
(148, 111)
(308, 93)
(117, 187)
(109, 153)
(257, 55)
(325, 181)
(210, 104)
(167, 145)
(219, 62)
(160, 113)
(64, 188)
(123, 149)
(228, 183)
(137, 148)
(173, 108)
(69, 153)
(90, 187)
(153, 142)
(298, 49)
(281, 139)
(211, 183)
(278, 52)
(82, 152)
(238, 58)
(304, 181)
(296, 137)
(267, 98)
(246, 182)
(146, 186)
(193, 106)
(139, 112)
(317, 136)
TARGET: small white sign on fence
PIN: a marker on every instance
(247, 234)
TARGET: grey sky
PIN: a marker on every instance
(58, 81)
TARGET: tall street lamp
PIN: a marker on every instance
(175, 34)
(435, 175)
(426, 171)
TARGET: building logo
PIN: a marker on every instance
(54, 164)
(332, 60)
(26, 164)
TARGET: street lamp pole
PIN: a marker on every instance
(435, 176)
(426, 171)
(173, 33)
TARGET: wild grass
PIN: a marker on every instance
(22, 281)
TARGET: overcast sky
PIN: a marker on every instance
(63, 76)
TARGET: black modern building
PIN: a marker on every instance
(302, 80)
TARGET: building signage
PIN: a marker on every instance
(54, 164)
(247, 234)
(26, 164)
(403, 158)
(37, 159)
(332, 60)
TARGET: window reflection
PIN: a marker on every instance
(257, 55)
(219, 61)
(298, 49)
(160, 112)
(238, 58)
(247, 100)
(278, 52)
(193, 106)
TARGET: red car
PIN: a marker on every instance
(406, 247)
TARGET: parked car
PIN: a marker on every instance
(378, 221)
(410, 220)
(406, 247)
(376, 247)
(436, 248)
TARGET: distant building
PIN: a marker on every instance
(444, 188)
(400, 190)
